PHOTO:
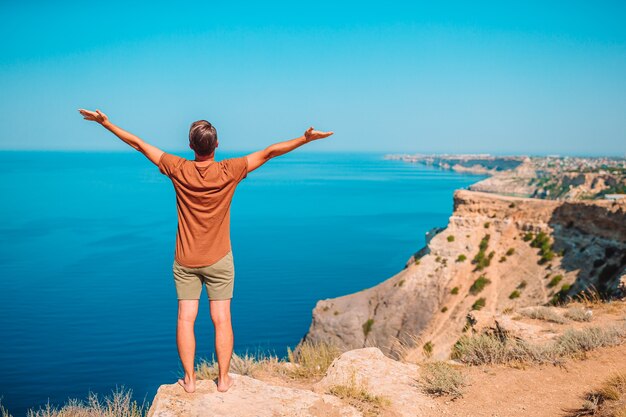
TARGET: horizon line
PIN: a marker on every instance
(388, 152)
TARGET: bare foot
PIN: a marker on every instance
(189, 384)
(225, 383)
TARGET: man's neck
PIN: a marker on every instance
(203, 158)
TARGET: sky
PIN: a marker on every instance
(455, 77)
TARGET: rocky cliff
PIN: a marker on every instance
(497, 253)
(392, 383)
(365, 383)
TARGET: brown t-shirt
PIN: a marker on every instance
(203, 196)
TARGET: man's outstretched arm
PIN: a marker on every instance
(151, 152)
(258, 158)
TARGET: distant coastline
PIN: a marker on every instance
(547, 177)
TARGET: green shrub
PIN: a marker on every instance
(444, 309)
(542, 241)
(481, 260)
(461, 258)
(502, 259)
(521, 285)
(546, 257)
(484, 242)
(450, 238)
(487, 224)
(561, 296)
(478, 304)
(367, 326)
(555, 281)
(428, 349)
(510, 252)
(515, 294)
(479, 285)
(528, 237)
(454, 291)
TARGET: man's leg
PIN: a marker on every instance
(220, 314)
(186, 341)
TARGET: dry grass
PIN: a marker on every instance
(242, 365)
(578, 313)
(311, 360)
(488, 349)
(206, 369)
(119, 404)
(360, 398)
(246, 364)
(307, 361)
(440, 378)
(608, 401)
(543, 313)
(271, 365)
(405, 348)
(3, 411)
(491, 348)
(590, 297)
(593, 300)
(402, 347)
(574, 342)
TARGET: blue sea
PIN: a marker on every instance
(87, 298)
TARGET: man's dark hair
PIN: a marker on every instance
(202, 137)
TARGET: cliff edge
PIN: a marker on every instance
(496, 253)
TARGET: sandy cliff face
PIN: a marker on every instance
(430, 299)
(517, 182)
(526, 181)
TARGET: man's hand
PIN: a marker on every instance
(95, 116)
(258, 158)
(311, 134)
(151, 152)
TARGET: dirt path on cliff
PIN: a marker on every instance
(537, 391)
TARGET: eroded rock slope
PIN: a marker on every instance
(496, 253)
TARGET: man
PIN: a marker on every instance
(204, 189)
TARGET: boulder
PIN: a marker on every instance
(248, 397)
(379, 375)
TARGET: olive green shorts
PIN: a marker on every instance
(218, 278)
